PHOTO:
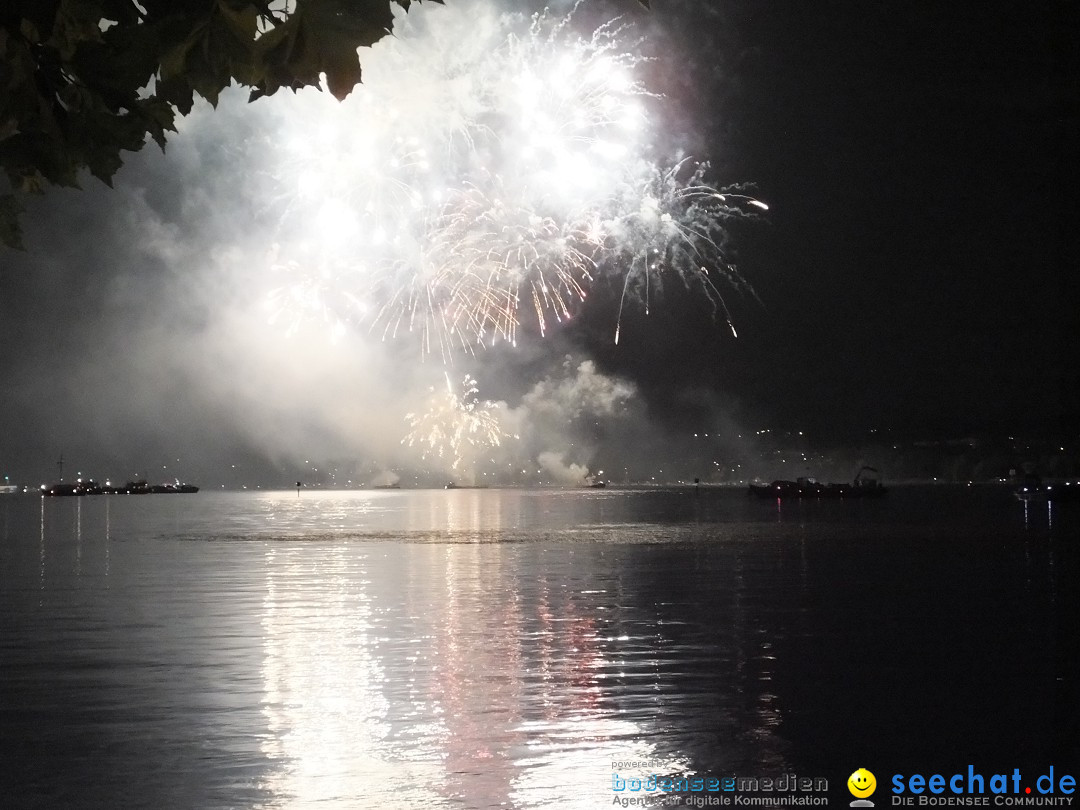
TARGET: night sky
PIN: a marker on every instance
(915, 271)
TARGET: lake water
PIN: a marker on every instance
(506, 648)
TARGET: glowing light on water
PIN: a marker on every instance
(488, 173)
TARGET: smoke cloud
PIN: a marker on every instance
(160, 329)
(552, 463)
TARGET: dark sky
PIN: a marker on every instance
(918, 267)
(916, 270)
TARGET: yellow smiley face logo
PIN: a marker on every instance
(861, 783)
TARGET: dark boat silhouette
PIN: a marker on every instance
(862, 487)
(66, 490)
(1032, 488)
(130, 488)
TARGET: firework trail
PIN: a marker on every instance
(455, 425)
(487, 174)
(677, 230)
(498, 252)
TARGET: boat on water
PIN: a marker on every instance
(66, 490)
(176, 488)
(1033, 489)
(130, 488)
(867, 484)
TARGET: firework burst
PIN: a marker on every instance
(674, 227)
(501, 255)
(487, 173)
(455, 425)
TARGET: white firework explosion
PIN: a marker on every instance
(489, 170)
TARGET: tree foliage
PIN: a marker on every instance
(81, 81)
